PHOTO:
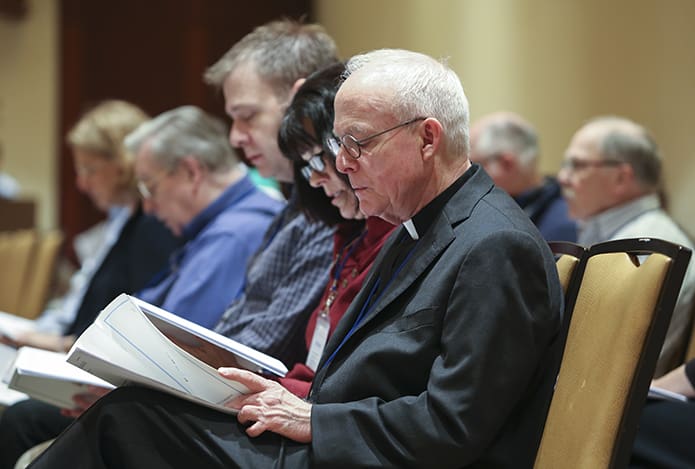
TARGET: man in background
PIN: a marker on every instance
(506, 145)
(611, 177)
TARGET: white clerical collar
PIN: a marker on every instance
(410, 227)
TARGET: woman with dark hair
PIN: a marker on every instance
(307, 125)
(326, 195)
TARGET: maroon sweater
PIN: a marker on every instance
(298, 380)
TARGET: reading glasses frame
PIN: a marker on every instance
(353, 147)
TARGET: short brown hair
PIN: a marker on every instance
(282, 51)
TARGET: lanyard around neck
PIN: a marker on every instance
(341, 260)
(369, 304)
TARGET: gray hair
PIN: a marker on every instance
(509, 134)
(181, 132)
(422, 87)
(625, 140)
(282, 51)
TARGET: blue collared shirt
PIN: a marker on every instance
(207, 273)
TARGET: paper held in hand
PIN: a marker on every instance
(133, 342)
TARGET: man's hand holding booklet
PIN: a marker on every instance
(133, 342)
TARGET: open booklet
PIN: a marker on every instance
(46, 376)
(11, 327)
(8, 396)
(133, 342)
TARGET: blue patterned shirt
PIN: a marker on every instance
(284, 283)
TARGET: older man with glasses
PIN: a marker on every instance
(446, 357)
(190, 178)
(611, 178)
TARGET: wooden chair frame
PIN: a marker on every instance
(560, 248)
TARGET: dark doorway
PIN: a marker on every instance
(152, 53)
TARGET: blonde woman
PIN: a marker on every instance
(135, 247)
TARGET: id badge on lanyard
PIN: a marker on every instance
(323, 322)
(320, 336)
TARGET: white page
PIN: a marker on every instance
(170, 364)
(120, 376)
(123, 346)
(241, 356)
(102, 345)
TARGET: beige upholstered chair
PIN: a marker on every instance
(618, 323)
(16, 250)
(570, 259)
(690, 351)
(37, 283)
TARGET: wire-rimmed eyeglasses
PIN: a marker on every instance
(353, 147)
(147, 190)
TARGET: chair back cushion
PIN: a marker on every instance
(565, 267)
(16, 251)
(610, 322)
(40, 275)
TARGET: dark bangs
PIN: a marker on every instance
(293, 139)
(312, 107)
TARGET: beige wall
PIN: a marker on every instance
(556, 62)
(28, 83)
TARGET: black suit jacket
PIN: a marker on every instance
(142, 249)
(454, 366)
